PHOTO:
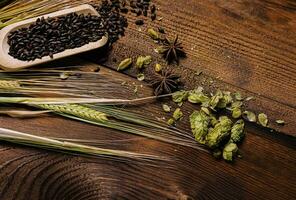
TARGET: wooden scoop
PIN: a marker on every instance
(9, 63)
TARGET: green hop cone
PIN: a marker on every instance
(220, 132)
(229, 151)
(199, 122)
(237, 131)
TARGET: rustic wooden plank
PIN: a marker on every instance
(247, 46)
(27, 173)
(253, 56)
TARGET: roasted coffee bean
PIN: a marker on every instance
(145, 13)
(153, 16)
(139, 22)
(153, 9)
(124, 10)
(138, 12)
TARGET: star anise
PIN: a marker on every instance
(172, 50)
(165, 83)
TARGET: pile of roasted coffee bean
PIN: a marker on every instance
(47, 37)
(142, 7)
(138, 7)
(113, 22)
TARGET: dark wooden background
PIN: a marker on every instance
(239, 45)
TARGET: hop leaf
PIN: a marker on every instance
(180, 96)
(250, 116)
(263, 120)
(197, 96)
(177, 114)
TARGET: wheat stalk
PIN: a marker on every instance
(71, 147)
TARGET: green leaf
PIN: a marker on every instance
(166, 108)
(280, 122)
(141, 77)
(214, 120)
(177, 114)
(180, 96)
(236, 104)
(216, 99)
(263, 120)
(250, 116)
(160, 50)
(197, 96)
(225, 100)
(249, 98)
(206, 110)
(238, 96)
(236, 112)
(171, 122)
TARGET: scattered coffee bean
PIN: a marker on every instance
(153, 16)
(161, 30)
(153, 9)
(139, 22)
(56, 40)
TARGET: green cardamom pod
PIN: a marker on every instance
(153, 34)
(124, 64)
(143, 60)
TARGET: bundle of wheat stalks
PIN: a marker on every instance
(83, 96)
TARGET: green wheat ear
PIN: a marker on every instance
(70, 109)
(76, 110)
(9, 85)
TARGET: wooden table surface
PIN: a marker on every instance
(239, 45)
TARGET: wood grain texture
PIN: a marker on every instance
(255, 57)
(246, 46)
